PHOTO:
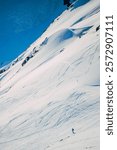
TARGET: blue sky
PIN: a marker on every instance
(22, 22)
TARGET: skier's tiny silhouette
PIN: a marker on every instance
(73, 131)
(67, 2)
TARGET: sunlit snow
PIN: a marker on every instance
(49, 95)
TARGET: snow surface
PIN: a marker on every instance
(53, 87)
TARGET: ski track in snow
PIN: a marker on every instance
(49, 95)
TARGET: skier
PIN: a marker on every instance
(73, 131)
(67, 2)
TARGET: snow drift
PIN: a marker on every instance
(49, 95)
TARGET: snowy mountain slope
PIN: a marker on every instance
(49, 96)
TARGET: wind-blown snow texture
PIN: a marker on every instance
(49, 95)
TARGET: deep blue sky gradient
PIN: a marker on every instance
(22, 22)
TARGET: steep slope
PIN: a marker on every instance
(49, 96)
